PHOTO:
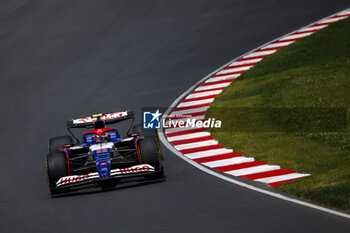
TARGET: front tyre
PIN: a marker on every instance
(58, 142)
(149, 134)
(149, 154)
(56, 166)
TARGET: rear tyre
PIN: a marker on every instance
(150, 154)
(58, 142)
(56, 167)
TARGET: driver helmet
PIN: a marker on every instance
(105, 137)
(97, 139)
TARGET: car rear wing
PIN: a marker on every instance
(109, 118)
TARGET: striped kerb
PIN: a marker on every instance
(197, 143)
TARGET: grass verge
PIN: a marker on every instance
(312, 73)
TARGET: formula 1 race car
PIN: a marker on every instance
(103, 155)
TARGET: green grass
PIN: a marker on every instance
(314, 72)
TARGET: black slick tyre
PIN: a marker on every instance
(56, 165)
(58, 142)
(150, 154)
(149, 133)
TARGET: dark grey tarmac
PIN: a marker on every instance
(65, 58)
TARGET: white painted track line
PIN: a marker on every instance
(235, 69)
(239, 63)
(221, 78)
(257, 54)
(231, 161)
(251, 57)
(331, 20)
(253, 170)
(280, 44)
(188, 136)
(202, 88)
(296, 36)
(312, 28)
(208, 153)
(346, 12)
(242, 184)
(224, 77)
(196, 144)
(196, 102)
(274, 179)
(202, 94)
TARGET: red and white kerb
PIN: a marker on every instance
(200, 146)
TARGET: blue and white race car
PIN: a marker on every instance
(103, 155)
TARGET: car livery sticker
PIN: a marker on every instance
(94, 175)
(104, 117)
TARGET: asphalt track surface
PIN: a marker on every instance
(62, 59)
